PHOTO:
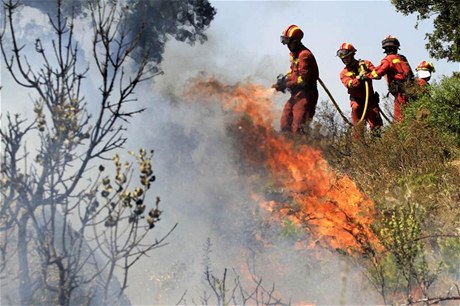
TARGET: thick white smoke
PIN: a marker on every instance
(203, 189)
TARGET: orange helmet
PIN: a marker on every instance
(424, 65)
(345, 50)
(291, 33)
(390, 41)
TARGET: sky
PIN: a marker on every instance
(244, 40)
(192, 148)
(243, 47)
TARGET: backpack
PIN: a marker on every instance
(403, 74)
(403, 70)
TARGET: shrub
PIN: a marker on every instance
(439, 108)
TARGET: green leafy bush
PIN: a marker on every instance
(439, 108)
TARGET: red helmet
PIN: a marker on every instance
(345, 50)
(424, 65)
(291, 33)
(390, 41)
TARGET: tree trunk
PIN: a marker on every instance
(64, 296)
(25, 284)
(65, 289)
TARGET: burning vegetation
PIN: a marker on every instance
(310, 194)
(391, 234)
(395, 215)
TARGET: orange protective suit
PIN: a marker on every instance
(301, 81)
(396, 69)
(357, 91)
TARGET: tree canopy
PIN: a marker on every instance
(157, 21)
(444, 41)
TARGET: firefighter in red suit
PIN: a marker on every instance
(353, 77)
(397, 71)
(301, 81)
(423, 73)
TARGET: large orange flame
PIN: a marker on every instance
(327, 204)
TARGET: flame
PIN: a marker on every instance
(327, 204)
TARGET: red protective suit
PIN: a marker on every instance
(422, 83)
(301, 81)
(357, 91)
(396, 69)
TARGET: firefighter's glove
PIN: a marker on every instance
(281, 83)
(363, 77)
(276, 87)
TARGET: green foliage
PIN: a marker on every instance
(385, 275)
(291, 230)
(399, 231)
(412, 154)
(412, 173)
(450, 254)
(444, 41)
(440, 108)
(407, 265)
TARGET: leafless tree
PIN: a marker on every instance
(74, 224)
(227, 291)
(235, 292)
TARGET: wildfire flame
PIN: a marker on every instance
(327, 204)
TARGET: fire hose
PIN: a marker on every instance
(340, 111)
(366, 102)
(333, 101)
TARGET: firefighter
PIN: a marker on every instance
(397, 71)
(354, 79)
(300, 81)
(423, 73)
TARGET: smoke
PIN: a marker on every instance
(156, 21)
(207, 186)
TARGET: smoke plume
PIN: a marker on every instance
(271, 209)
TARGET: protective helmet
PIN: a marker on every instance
(345, 50)
(291, 33)
(390, 41)
(427, 66)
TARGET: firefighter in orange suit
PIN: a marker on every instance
(354, 79)
(423, 73)
(301, 81)
(397, 71)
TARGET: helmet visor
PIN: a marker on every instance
(284, 39)
(343, 53)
